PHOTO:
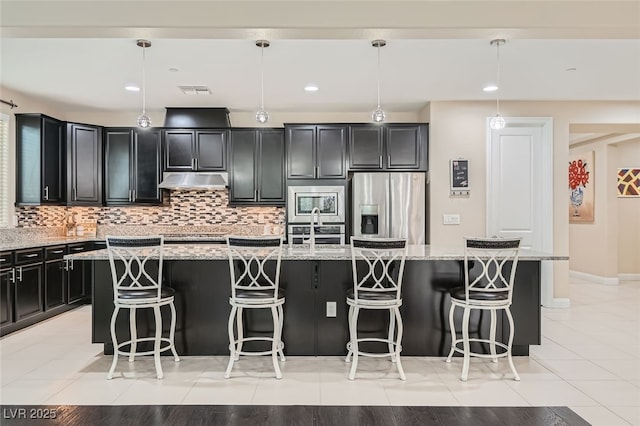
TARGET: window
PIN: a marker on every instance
(4, 170)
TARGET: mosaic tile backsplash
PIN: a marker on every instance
(196, 208)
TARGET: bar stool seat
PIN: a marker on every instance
(254, 265)
(491, 290)
(136, 271)
(376, 285)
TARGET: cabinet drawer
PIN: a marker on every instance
(6, 259)
(29, 256)
(56, 252)
(80, 247)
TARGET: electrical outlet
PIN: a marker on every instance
(451, 219)
(331, 309)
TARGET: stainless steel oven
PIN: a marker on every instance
(328, 199)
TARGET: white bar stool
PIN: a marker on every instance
(136, 271)
(491, 290)
(254, 264)
(376, 286)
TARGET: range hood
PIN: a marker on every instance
(194, 180)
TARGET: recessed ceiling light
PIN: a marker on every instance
(490, 88)
(572, 69)
(132, 88)
(173, 69)
(311, 87)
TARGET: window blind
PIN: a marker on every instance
(4, 170)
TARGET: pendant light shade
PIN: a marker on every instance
(143, 120)
(497, 122)
(378, 114)
(262, 116)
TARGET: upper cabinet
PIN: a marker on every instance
(84, 164)
(316, 151)
(257, 167)
(132, 166)
(195, 150)
(388, 147)
(40, 156)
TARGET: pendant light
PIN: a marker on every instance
(262, 116)
(497, 122)
(143, 120)
(378, 114)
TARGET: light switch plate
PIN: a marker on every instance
(331, 309)
(451, 219)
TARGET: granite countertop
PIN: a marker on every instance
(303, 252)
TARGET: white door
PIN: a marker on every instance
(520, 187)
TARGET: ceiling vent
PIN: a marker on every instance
(195, 90)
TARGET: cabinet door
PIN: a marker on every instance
(76, 279)
(271, 167)
(298, 281)
(6, 296)
(301, 152)
(85, 164)
(28, 159)
(28, 291)
(404, 146)
(243, 166)
(179, 153)
(331, 152)
(365, 147)
(334, 280)
(52, 160)
(117, 151)
(54, 284)
(147, 165)
(211, 150)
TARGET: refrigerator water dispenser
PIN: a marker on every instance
(369, 219)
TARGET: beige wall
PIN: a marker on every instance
(458, 129)
(628, 214)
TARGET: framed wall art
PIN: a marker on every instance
(581, 187)
(629, 182)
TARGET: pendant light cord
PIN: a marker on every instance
(378, 75)
(262, 77)
(498, 77)
(144, 80)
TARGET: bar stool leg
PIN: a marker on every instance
(172, 333)
(240, 328)
(281, 322)
(465, 343)
(349, 345)
(516, 377)
(492, 336)
(452, 328)
(398, 344)
(275, 344)
(232, 343)
(114, 339)
(353, 328)
(392, 332)
(157, 341)
(134, 334)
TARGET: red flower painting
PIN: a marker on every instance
(581, 185)
(578, 174)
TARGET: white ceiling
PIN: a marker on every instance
(82, 54)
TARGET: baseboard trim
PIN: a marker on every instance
(629, 277)
(559, 303)
(594, 278)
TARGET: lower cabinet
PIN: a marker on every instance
(28, 291)
(77, 281)
(6, 294)
(55, 277)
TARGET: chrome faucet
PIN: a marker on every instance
(312, 231)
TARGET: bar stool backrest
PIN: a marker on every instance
(498, 258)
(254, 265)
(384, 259)
(136, 268)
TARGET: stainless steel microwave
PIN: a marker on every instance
(301, 200)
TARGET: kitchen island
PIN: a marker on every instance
(312, 280)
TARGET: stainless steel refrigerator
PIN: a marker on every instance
(389, 205)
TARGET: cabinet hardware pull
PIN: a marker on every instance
(75, 194)
(133, 195)
(2, 260)
(71, 264)
(193, 163)
(57, 251)
(46, 192)
(196, 161)
(380, 161)
(77, 248)
(66, 265)
(13, 275)
(19, 274)
(31, 255)
(388, 161)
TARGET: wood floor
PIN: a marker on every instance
(254, 415)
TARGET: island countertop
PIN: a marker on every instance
(303, 252)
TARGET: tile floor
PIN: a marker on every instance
(589, 361)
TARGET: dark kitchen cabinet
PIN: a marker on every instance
(7, 278)
(132, 166)
(29, 284)
(196, 150)
(84, 160)
(316, 151)
(257, 167)
(40, 160)
(388, 147)
(78, 280)
(55, 277)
